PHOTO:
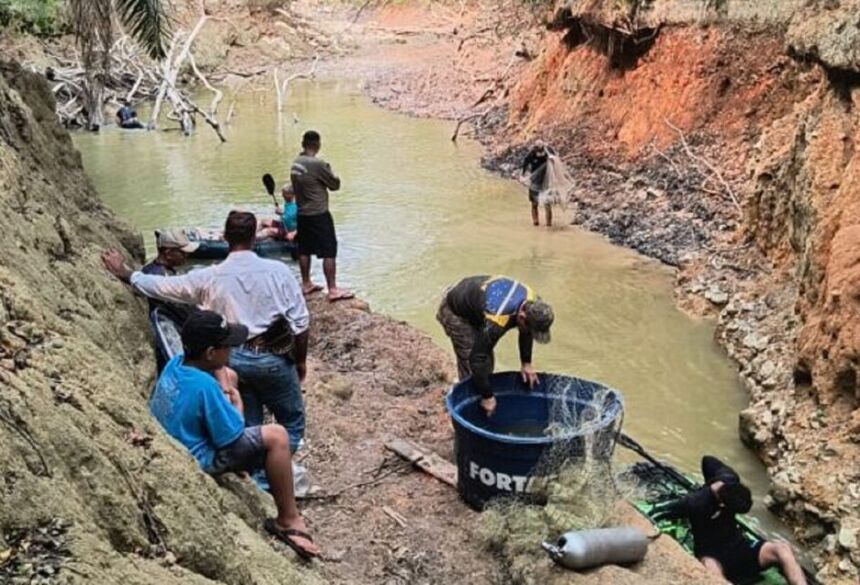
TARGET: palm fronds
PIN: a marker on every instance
(147, 23)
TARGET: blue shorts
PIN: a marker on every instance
(246, 453)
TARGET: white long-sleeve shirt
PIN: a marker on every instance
(245, 288)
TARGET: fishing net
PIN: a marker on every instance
(557, 184)
(574, 487)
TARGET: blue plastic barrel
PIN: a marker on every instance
(498, 455)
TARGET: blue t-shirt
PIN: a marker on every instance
(192, 408)
(291, 216)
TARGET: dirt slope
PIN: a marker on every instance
(89, 481)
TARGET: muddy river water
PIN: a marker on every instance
(415, 214)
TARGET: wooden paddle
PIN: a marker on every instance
(269, 183)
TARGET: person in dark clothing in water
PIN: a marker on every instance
(126, 117)
(534, 170)
(718, 541)
(173, 249)
(476, 312)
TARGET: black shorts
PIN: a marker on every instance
(533, 196)
(246, 453)
(739, 561)
(316, 236)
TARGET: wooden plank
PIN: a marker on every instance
(424, 459)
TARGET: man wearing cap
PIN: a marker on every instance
(193, 408)
(264, 296)
(173, 249)
(718, 541)
(533, 174)
(476, 312)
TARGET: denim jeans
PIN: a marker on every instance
(270, 380)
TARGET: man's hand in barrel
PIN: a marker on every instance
(489, 405)
(530, 376)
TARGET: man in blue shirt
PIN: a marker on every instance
(206, 417)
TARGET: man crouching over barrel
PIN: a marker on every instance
(477, 311)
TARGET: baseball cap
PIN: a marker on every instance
(736, 497)
(205, 329)
(175, 239)
(539, 318)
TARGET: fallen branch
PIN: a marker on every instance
(217, 93)
(332, 496)
(397, 517)
(702, 160)
(494, 85)
(282, 90)
(468, 118)
(359, 11)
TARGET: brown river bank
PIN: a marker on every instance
(702, 144)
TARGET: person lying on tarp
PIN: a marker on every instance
(719, 542)
(126, 117)
(196, 407)
(287, 224)
(476, 312)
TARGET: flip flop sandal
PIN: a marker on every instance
(284, 536)
(344, 296)
(314, 289)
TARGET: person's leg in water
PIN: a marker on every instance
(713, 566)
(279, 472)
(533, 199)
(548, 210)
(779, 553)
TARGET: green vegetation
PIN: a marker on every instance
(38, 17)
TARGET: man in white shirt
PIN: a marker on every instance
(264, 296)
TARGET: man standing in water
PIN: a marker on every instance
(476, 312)
(534, 171)
(718, 541)
(312, 178)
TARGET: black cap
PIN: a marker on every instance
(736, 497)
(205, 329)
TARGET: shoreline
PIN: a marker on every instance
(725, 270)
